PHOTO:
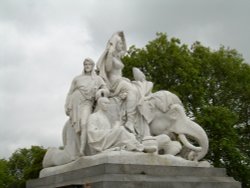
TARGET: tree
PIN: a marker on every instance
(214, 88)
(5, 177)
(25, 164)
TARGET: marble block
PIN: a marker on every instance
(122, 157)
(111, 175)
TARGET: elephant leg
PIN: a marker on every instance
(167, 145)
(173, 148)
(162, 140)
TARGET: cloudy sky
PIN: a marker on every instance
(43, 44)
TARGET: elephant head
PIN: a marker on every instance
(174, 120)
(182, 126)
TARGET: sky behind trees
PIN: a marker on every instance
(43, 44)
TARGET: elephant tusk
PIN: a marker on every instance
(184, 140)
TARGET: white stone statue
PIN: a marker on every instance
(163, 113)
(71, 148)
(84, 89)
(111, 116)
(110, 68)
(102, 135)
(109, 64)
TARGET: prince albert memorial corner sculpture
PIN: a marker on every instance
(112, 118)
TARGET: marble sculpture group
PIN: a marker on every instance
(110, 113)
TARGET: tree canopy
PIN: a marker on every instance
(214, 88)
(24, 164)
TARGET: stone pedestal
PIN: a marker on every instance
(134, 176)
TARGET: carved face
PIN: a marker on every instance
(88, 66)
(103, 103)
(119, 45)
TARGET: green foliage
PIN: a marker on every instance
(225, 142)
(24, 164)
(213, 86)
(5, 177)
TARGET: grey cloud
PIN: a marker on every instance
(43, 44)
(212, 22)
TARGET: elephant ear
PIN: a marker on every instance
(176, 111)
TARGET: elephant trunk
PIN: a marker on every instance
(196, 132)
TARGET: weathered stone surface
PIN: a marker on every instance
(121, 157)
(131, 176)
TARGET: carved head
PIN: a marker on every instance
(88, 65)
(103, 103)
(117, 42)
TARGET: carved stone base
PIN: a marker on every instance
(122, 157)
(125, 169)
(134, 176)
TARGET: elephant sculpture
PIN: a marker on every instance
(164, 113)
(167, 115)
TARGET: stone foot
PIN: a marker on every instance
(150, 149)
